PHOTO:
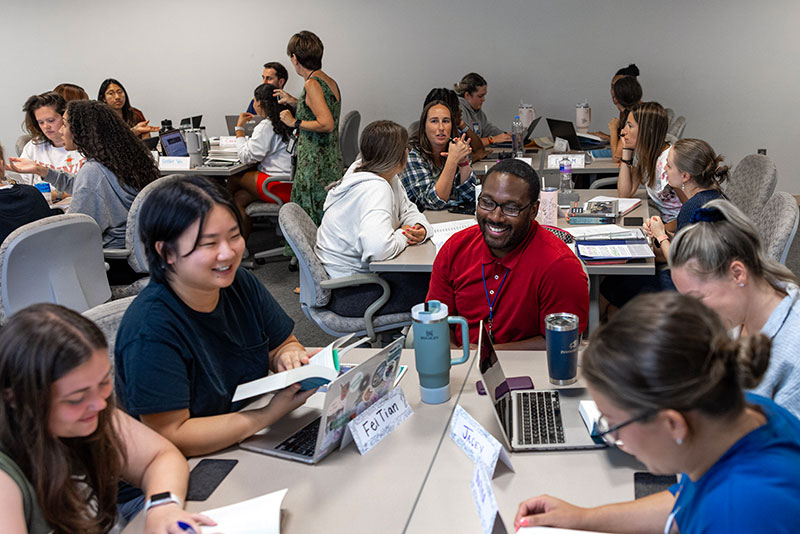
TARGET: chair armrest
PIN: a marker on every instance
(600, 182)
(116, 253)
(270, 195)
(358, 280)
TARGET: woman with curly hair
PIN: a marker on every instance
(114, 94)
(117, 167)
(64, 445)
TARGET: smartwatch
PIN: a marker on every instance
(160, 499)
(238, 128)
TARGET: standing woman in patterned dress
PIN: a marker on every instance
(319, 159)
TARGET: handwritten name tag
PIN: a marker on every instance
(379, 420)
(173, 163)
(485, 503)
(477, 442)
(529, 161)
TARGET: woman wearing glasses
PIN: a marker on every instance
(668, 381)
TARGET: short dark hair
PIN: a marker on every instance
(280, 71)
(172, 208)
(49, 99)
(307, 48)
(627, 91)
(521, 170)
(127, 112)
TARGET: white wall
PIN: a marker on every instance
(731, 67)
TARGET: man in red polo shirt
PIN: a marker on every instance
(507, 270)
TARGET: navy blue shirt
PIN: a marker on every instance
(20, 204)
(170, 357)
(695, 203)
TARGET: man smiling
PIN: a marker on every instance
(507, 270)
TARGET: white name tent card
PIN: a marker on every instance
(578, 161)
(261, 515)
(477, 442)
(486, 504)
(372, 425)
(560, 144)
(529, 161)
(174, 163)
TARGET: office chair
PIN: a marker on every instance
(108, 317)
(777, 224)
(315, 284)
(268, 210)
(348, 137)
(57, 259)
(22, 140)
(752, 184)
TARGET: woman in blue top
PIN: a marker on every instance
(668, 382)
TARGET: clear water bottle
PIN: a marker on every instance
(517, 136)
(565, 168)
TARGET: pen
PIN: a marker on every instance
(186, 527)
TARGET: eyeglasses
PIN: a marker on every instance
(509, 210)
(605, 432)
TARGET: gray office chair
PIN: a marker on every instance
(348, 137)
(108, 317)
(58, 259)
(752, 184)
(777, 224)
(267, 210)
(676, 130)
(315, 285)
(22, 140)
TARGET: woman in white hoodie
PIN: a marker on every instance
(368, 217)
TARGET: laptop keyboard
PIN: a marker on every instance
(304, 441)
(540, 417)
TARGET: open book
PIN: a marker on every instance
(322, 368)
(260, 515)
(624, 205)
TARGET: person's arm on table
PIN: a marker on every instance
(629, 179)
(156, 466)
(411, 218)
(315, 99)
(646, 515)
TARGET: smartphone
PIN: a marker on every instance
(632, 221)
(206, 476)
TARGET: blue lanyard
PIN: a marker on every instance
(491, 301)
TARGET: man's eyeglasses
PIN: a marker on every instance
(510, 210)
(609, 433)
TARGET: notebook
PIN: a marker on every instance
(307, 434)
(533, 419)
(566, 130)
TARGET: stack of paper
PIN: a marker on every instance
(261, 515)
(223, 149)
(444, 231)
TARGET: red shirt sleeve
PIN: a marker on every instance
(441, 286)
(565, 288)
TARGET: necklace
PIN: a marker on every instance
(491, 301)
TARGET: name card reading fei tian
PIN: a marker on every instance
(477, 442)
(379, 420)
(485, 503)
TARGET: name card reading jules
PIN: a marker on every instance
(477, 442)
(379, 420)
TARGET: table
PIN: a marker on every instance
(481, 167)
(214, 172)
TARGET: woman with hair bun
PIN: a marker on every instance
(669, 383)
(471, 91)
(720, 260)
(626, 94)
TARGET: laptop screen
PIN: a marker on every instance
(173, 143)
(494, 379)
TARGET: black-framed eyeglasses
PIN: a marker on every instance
(609, 433)
(511, 210)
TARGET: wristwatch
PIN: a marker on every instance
(297, 124)
(238, 128)
(160, 499)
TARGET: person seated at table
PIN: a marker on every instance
(696, 170)
(368, 217)
(720, 259)
(471, 91)
(70, 91)
(267, 147)
(449, 97)
(64, 445)
(274, 74)
(668, 382)
(43, 119)
(114, 94)
(202, 326)
(626, 94)
(438, 169)
(508, 271)
(644, 159)
(19, 203)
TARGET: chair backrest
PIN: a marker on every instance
(752, 184)
(57, 259)
(108, 316)
(22, 140)
(348, 137)
(777, 224)
(301, 233)
(138, 257)
(676, 129)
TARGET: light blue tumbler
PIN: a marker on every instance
(432, 349)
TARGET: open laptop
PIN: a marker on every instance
(308, 435)
(566, 130)
(249, 126)
(192, 122)
(173, 144)
(533, 419)
(528, 134)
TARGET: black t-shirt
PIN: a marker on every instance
(170, 357)
(20, 204)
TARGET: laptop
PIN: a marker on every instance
(192, 122)
(173, 144)
(533, 419)
(308, 435)
(528, 134)
(249, 126)
(566, 130)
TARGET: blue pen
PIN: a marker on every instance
(186, 527)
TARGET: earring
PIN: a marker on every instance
(679, 441)
(741, 284)
(683, 186)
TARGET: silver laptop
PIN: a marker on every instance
(533, 419)
(249, 126)
(308, 435)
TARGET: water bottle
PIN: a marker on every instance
(517, 135)
(565, 167)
